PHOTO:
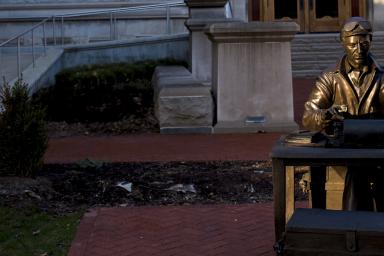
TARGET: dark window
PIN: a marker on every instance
(255, 9)
(285, 8)
(326, 8)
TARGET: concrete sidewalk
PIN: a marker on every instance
(197, 230)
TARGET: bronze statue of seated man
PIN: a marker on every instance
(355, 88)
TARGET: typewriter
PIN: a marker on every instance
(364, 131)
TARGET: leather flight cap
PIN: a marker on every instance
(356, 26)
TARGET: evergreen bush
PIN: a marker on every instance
(23, 136)
(101, 93)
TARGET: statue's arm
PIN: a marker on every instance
(320, 99)
(381, 96)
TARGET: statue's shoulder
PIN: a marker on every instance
(375, 64)
(328, 74)
(331, 71)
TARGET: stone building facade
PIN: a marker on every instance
(317, 15)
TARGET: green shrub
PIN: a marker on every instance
(23, 137)
(101, 93)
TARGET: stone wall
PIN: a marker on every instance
(378, 15)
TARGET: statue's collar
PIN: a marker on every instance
(348, 66)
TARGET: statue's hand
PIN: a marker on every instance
(335, 112)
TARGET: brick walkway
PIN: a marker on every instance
(185, 231)
(175, 230)
(158, 147)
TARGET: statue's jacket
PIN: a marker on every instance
(333, 87)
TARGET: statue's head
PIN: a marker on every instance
(356, 37)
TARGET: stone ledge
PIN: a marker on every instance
(252, 31)
(177, 81)
(242, 127)
(199, 24)
(166, 75)
(185, 130)
(163, 71)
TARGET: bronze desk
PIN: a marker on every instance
(284, 157)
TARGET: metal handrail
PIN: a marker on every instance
(25, 32)
(113, 31)
(120, 10)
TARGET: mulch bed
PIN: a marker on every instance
(66, 188)
(147, 123)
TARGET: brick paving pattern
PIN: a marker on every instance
(175, 230)
(158, 147)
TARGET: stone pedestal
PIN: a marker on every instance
(185, 110)
(182, 104)
(201, 14)
(252, 77)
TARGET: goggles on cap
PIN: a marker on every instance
(349, 26)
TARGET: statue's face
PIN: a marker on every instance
(357, 49)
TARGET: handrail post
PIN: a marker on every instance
(115, 27)
(44, 40)
(1, 61)
(53, 30)
(62, 30)
(110, 26)
(18, 59)
(168, 23)
(33, 50)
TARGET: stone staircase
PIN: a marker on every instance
(313, 53)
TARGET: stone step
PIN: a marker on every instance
(306, 73)
(334, 46)
(314, 66)
(318, 57)
(311, 54)
(331, 60)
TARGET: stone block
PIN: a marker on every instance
(182, 105)
(172, 77)
(188, 107)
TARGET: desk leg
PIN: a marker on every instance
(289, 192)
(278, 172)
